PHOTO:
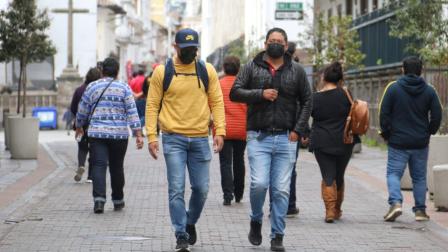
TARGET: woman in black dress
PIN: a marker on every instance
(331, 107)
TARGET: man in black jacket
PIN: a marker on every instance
(410, 111)
(278, 95)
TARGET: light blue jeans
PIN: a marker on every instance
(271, 160)
(194, 154)
(396, 164)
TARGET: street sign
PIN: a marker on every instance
(289, 6)
(289, 11)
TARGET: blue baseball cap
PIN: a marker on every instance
(187, 38)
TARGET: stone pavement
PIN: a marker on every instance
(55, 213)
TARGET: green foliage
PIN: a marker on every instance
(370, 142)
(422, 22)
(22, 37)
(334, 40)
(244, 53)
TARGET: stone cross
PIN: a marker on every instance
(70, 11)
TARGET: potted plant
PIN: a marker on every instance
(23, 38)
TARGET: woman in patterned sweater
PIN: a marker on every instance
(107, 108)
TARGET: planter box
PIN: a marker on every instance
(24, 137)
(437, 155)
(7, 116)
(441, 186)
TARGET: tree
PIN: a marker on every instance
(335, 40)
(244, 53)
(423, 22)
(23, 38)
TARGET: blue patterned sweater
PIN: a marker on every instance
(113, 114)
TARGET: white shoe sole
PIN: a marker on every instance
(421, 218)
(393, 215)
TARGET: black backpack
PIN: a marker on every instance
(170, 71)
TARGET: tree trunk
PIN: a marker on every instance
(19, 89)
(24, 90)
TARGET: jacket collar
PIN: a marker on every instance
(259, 60)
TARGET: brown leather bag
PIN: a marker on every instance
(357, 122)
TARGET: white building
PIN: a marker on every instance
(110, 28)
(223, 22)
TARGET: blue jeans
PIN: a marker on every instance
(141, 107)
(396, 164)
(271, 160)
(193, 153)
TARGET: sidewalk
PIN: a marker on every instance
(57, 213)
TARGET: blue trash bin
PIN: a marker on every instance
(47, 117)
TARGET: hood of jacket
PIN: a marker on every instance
(412, 84)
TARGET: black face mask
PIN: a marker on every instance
(188, 54)
(275, 50)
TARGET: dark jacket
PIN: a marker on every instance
(290, 111)
(330, 111)
(410, 111)
(76, 98)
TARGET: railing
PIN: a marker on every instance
(370, 85)
(33, 99)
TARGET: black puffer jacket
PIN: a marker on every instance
(290, 111)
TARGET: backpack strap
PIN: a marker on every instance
(169, 73)
(350, 98)
(348, 135)
(201, 70)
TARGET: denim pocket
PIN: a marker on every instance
(252, 135)
(292, 149)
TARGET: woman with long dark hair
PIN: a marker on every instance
(331, 107)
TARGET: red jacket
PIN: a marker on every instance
(235, 112)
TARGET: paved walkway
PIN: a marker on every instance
(55, 213)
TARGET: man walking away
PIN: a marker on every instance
(186, 92)
(279, 103)
(410, 111)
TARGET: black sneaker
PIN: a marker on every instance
(255, 237)
(292, 212)
(182, 245)
(227, 202)
(118, 206)
(98, 207)
(238, 199)
(277, 243)
(191, 230)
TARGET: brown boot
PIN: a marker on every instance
(339, 200)
(329, 195)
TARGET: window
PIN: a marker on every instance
(374, 4)
(329, 13)
(339, 10)
(364, 7)
(349, 7)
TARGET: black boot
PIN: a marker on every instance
(277, 243)
(98, 207)
(119, 206)
(255, 233)
(191, 230)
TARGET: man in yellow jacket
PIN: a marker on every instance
(183, 107)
